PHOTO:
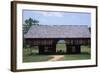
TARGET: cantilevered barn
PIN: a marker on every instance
(47, 36)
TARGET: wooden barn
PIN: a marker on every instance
(47, 36)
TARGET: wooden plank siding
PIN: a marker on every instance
(72, 41)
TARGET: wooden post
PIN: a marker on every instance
(54, 48)
(41, 49)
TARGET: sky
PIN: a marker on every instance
(58, 18)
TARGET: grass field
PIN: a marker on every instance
(27, 57)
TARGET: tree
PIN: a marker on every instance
(28, 23)
(26, 26)
(35, 22)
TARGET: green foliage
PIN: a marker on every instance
(28, 23)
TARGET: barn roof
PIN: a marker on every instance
(58, 31)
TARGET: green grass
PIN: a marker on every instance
(27, 57)
(35, 58)
(76, 57)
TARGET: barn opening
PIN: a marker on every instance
(34, 49)
(61, 47)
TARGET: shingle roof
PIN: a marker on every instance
(58, 31)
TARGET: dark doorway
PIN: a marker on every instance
(73, 49)
(47, 49)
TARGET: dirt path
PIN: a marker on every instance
(56, 57)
